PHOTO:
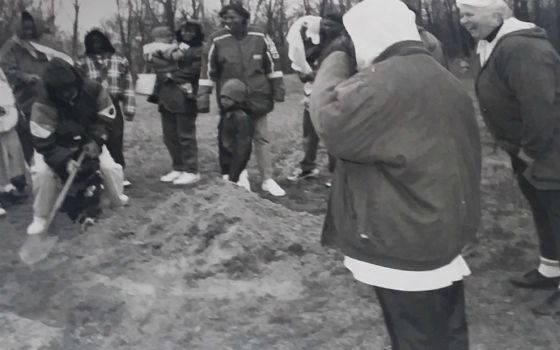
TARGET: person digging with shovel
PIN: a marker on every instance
(72, 116)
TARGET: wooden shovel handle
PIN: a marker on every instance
(62, 196)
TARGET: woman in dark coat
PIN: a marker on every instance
(518, 88)
(177, 105)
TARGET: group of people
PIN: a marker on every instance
(399, 128)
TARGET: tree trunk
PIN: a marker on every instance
(75, 29)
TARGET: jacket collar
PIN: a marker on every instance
(402, 48)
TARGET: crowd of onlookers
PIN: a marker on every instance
(400, 130)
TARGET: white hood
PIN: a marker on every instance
(484, 48)
(296, 50)
(375, 25)
(7, 101)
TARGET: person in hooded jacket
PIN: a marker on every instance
(235, 133)
(405, 198)
(331, 28)
(23, 59)
(72, 115)
(518, 88)
(103, 64)
(243, 51)
(178, 107)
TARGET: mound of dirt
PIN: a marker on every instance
(212, 268)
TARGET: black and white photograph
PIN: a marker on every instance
(279, 174)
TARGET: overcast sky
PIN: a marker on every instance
(94, 12)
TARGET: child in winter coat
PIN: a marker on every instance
(235, 133)
(163, 54)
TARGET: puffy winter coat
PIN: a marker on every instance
(406, 189)
(20, 61)
(519, 92)
(254, 60)
(59, 129)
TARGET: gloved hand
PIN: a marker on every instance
(203, 103)
(71, 166)
(92, 149)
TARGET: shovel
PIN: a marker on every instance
(38, 247)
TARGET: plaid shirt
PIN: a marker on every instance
(112, 71)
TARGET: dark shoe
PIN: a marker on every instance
(301, 174)
(549, 307)
(534, 280)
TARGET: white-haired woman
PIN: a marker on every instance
(518, 88)
(405, 196)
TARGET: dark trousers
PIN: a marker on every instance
(545, 207)
(235, 138)
(430, 320)
(311, 145)
(116, 136)
(179, 136)
(24, 133)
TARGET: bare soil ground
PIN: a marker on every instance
(215, 267)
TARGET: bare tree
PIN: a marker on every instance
(75, 28)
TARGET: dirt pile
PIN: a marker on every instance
(210, 268)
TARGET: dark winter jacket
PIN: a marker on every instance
(405, 192)
(519, 93)
(171, 95)
(60, 129)
(20, 61)
(254, 60)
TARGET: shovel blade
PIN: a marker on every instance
(36, 248)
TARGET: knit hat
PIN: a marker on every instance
(161, 32)
(60, 74)
(234, 89)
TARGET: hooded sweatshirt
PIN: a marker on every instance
(22, 60)
(405, 193)
(518, 88)
(59, 129)
(296, 52)
(109, 69)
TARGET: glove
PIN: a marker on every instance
(71, 166)
(92, 149)
(203, 103)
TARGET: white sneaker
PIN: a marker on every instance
(2, 211)
(125, 200)
(270, 186)
(225, 177)
(244, 180)
(37, 226)
(170, 177)
(127, 183)
(187, 179)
